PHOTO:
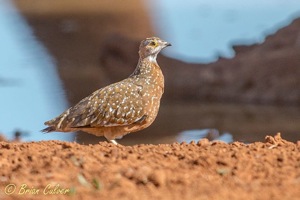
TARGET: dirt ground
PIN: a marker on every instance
(199, 170)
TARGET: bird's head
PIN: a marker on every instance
(150, 47)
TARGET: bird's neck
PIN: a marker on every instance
(151, 58)
(145, 66)
(149, 71)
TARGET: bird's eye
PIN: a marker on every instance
(153, 43)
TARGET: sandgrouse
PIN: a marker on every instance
(123, 107)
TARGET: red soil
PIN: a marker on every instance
(202, 170)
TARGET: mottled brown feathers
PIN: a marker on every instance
(117, 104)
(123, 107)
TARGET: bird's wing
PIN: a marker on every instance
(118, 104)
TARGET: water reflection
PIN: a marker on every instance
(196, 135)
(244, 123)
(37, 97)
(202, 30)
(29, 85)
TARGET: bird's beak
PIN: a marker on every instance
(166, 44)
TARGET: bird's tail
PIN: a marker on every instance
(48, 129)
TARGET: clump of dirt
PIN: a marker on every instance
(2, 137)
(199, 170)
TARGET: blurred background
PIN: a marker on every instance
(232, 72)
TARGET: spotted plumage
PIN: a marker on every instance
(123, 107)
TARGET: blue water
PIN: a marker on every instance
(203, 30)
(30, 89)
(196, 135)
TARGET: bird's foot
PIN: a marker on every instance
(114, 142)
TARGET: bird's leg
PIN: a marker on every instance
(114, 142)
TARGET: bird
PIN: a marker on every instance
(123, 107)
